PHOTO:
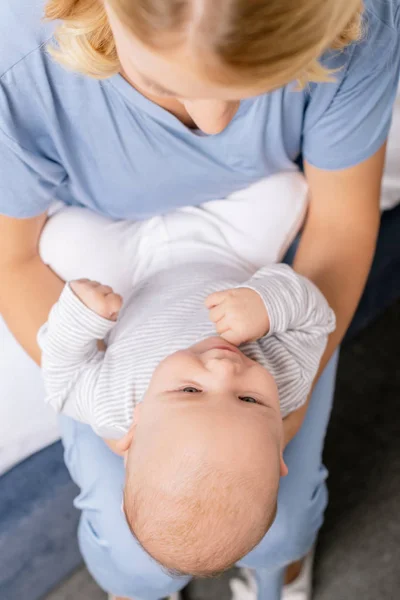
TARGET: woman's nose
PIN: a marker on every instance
(211, 116)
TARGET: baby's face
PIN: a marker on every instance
(214, 370)
(203, 471)
(214, 380)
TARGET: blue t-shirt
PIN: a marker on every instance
(101, 144)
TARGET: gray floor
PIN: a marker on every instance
(359, 548)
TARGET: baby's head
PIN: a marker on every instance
(204, 466)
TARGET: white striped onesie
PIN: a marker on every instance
(166, 313)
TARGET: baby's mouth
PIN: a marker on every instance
(220, 344)
(226, 348)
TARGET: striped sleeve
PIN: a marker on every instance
(300, 322)
(71, 361)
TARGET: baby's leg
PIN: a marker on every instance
(252, 228)
(78, 243)
(259, 223)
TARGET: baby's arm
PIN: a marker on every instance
(300, 322)
(293, 302)
(274, 301)
(71, 362)
(295, 334)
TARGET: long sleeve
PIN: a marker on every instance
(71, 363)
(300, 322)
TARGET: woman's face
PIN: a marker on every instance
(174, 77)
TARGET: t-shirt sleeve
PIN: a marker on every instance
(344, 128)
(28, 178)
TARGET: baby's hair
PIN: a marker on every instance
(200, 524)
(258, 43)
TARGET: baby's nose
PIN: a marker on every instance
(224, 368)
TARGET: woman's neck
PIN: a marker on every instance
(172, 105)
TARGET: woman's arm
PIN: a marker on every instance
(338, 244)
(28, 288)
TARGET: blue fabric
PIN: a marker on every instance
(103, 145)
(38, 545)
(121, 566)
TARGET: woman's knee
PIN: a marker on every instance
(293, 532)
(120, 566)
(113, 556)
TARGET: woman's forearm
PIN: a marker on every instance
(338, 244)
(340, 273)
(28, 290)
(341, 279)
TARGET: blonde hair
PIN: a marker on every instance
(256, 43)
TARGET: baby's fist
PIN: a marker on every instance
(101, 299)
(239, 315)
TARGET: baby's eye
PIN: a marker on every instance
(190, 390)
(248, 399)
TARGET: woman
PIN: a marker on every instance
(177, 102)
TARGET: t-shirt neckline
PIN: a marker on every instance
(133, 96)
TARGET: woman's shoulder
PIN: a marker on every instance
(377, 49)
(386, 12)
(381, 32)
(347, 120)
(22, 31)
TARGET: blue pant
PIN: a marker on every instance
(122, 567)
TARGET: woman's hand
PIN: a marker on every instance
(239, 315)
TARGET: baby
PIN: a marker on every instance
(198, 418)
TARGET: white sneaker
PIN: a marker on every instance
(245, 587)
(301, 587)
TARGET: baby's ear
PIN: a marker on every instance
(123, 444)
(284, 469)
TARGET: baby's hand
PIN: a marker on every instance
(239, 315)
(101, 299)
